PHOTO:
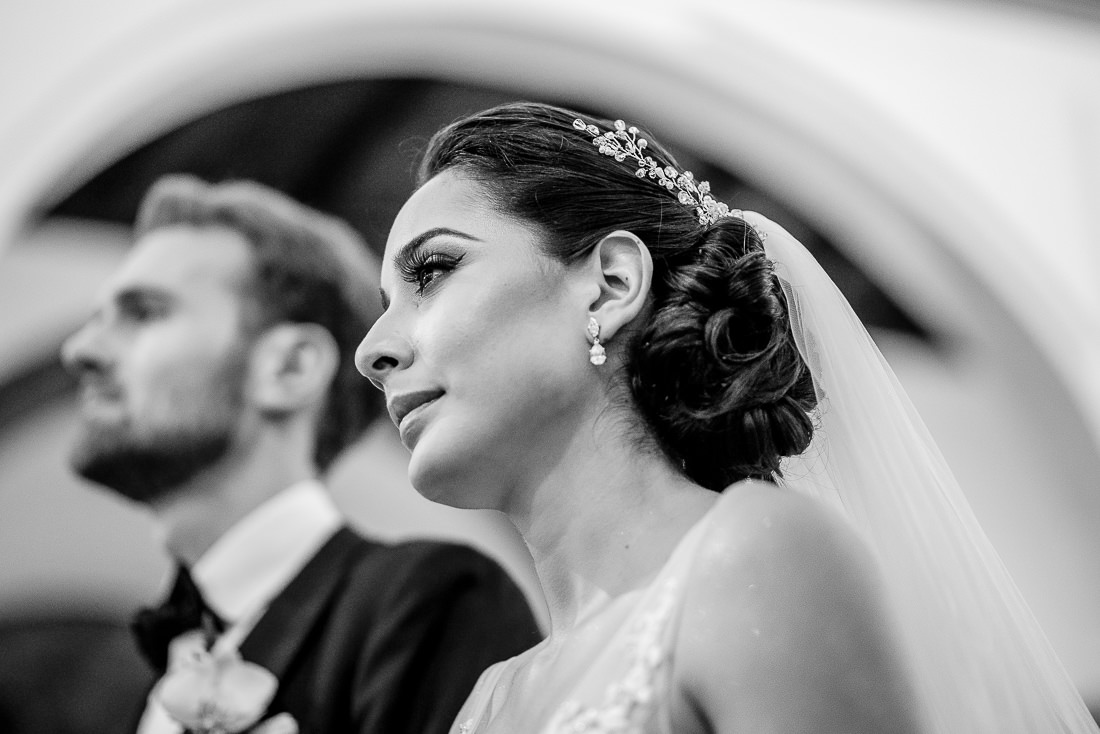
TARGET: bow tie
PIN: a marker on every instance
(183, 611)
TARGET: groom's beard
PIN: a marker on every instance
(152, 468)
(149, 462)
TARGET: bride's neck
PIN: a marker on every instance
(603, 523)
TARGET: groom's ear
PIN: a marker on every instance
(292, 367)
(623, 273)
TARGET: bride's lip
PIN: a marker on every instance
(413, 423)
(401, 406)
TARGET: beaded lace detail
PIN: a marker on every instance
(628, 703)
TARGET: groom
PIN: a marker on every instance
(217, 386)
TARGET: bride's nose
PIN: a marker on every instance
(381, 352)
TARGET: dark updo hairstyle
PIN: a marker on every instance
(713, 366)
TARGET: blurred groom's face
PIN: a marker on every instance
(161, 363)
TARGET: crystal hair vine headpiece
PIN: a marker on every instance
(623, 142)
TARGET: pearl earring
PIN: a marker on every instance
(596, 355)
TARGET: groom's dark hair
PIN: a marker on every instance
(309, 267)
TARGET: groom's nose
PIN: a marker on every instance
(85, 349)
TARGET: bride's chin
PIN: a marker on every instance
(436, 480)
(449, 483)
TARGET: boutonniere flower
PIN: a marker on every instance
(211, 692)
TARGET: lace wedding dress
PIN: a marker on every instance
(614, 678)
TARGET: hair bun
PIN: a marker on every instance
(715, 369)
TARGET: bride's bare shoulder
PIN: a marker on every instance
(784, 624)
(758, 524)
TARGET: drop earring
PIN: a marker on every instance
(596, 355)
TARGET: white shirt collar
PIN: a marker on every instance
(249, 565)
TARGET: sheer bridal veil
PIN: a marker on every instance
(979, 660)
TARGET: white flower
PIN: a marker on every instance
(213, 692)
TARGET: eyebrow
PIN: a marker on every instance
(405, 255)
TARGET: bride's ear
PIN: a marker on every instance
(624, 273)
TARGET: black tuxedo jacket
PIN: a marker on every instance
(387, 639)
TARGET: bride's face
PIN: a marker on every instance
(481, 351)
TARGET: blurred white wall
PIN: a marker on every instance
(955, 147)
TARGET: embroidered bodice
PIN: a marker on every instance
(616, 677)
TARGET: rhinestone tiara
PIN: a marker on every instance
(623, 142)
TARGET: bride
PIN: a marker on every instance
(738, 520)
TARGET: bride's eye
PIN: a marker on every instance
(424, 268)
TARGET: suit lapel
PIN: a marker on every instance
(278, 636)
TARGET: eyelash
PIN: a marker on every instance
(422, 266)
